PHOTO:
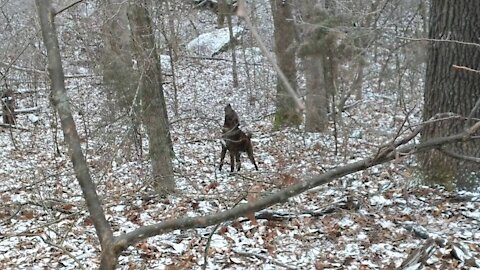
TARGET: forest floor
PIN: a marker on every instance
(368, 220)
(374, 219)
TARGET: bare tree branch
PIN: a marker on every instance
(441, 40)
(458, 156)
(62, 105)
(472, 113)
(62, 248)
(465, 68)
(69, 6)
(19, 68)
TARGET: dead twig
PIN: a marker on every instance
(420, 256)
(441, 40)
(64, 250)
(264, 258)
(13, 127)
(6, 220)
(465, 68)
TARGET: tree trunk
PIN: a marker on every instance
(61, 103)
(284, 32)
(357, 85)
(8, 106)
(172, 31)
(452, 90)
(222, 9)
(171, 37)
(232, 46)
(330, 61)
(316, 102)
(119, 76)
(153, 101)
(316, 118)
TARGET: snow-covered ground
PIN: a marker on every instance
(368, 220)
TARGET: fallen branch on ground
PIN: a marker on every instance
(385, 154)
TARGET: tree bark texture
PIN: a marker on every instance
(316, 102)
(316, 118)
(61, 103)
(222, 9)
(284, 32)
(452, 90)
(330, 60)
(153, 101)
(8, 107)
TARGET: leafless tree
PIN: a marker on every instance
(287, 113)
(59, 98)
(150, 87)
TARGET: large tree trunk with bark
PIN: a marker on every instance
(284, 32)
(62, 105)
(316, 102)
(153, 101)
(452, 90)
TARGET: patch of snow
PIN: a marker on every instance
(205, 206)
(209, 44)
(82, 70)
(145, 216)
(177, 248)
(165, 62)
(357, 134)
(253, 55)
(385, 185)
(406, 211)
(400, 200)
(379, 200)
(362, 236)
(386, 224)
(33, 118)
(118, 208)
(352, 249)
(218, 242)
(346, 222)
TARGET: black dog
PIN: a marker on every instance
(235, 140)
